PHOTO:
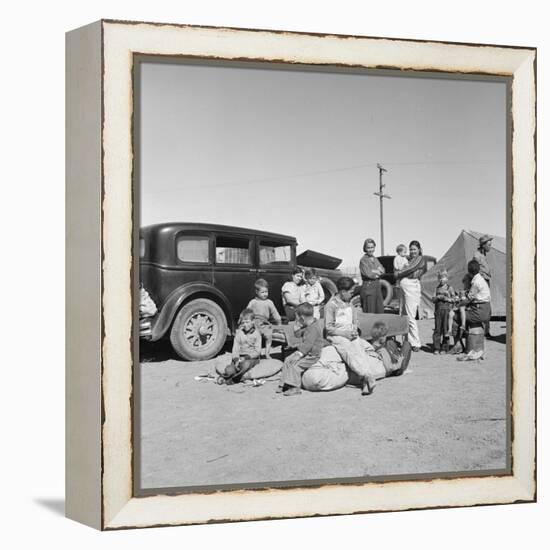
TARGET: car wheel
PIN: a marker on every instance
(387, 295)
(199, 330)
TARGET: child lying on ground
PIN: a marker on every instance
(394, 358)
(307, 354)
(264, 312)
(384, 356)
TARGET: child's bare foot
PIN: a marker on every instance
(292, 391)
(268, 355)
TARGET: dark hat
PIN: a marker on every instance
(485, 239)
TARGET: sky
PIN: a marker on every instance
(295, 152)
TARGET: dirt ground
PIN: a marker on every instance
(440, 416)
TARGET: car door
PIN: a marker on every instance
(235, 269)
(276, 259)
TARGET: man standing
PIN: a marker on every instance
(480, 256)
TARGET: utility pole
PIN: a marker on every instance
(382, 196)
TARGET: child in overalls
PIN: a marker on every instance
(247, 345)
(265, 313)
(312, 292)
(444, 300)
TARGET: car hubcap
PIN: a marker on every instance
(200, 330)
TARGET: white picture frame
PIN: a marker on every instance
(100, 268)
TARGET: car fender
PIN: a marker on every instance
(180, 295)
(328, 287)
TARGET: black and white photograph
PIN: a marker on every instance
(324, 279)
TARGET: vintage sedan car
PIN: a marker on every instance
(201, 276)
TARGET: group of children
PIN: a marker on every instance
(259, 317)
(304, 287)
(366, 360)
(448, 305)
(340, 327)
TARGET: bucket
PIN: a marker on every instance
(476, 340)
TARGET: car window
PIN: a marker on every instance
(193, 249)
(232, 250)
(273, 253)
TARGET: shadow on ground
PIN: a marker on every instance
(153, 352)
(499, 338)
(55, 505)
(157, 352)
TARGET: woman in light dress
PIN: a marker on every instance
(409, 279)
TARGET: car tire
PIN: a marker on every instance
(387, 291)
(387, 294)
(199, 330)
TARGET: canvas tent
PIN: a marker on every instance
(455, 261)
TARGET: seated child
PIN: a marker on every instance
(265, 312)
(343, 334)
(247, 345)
(291, 292)
(312, 292)
(444, 299)
(307, 353)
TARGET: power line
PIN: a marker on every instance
(335, 170)
(289, 176)
(443, 162)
